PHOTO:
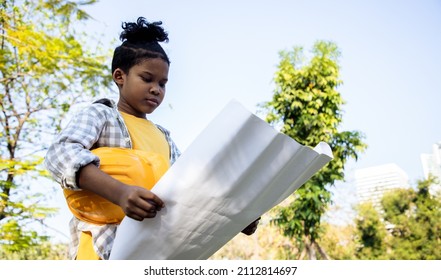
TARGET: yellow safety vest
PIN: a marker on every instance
(132, 167)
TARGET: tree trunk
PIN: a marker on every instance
(321, 252)
(302, 254)
(311, 251)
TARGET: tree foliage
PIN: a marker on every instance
(307, 106)
(44, 69)
(44, 250)
(338, 241)
(413, 221)
(371, 232)
(415, 216)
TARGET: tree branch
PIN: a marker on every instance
(321, 251)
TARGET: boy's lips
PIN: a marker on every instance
(152, 101)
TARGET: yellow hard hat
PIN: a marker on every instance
(131, 167)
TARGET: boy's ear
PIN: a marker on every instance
(119, 76)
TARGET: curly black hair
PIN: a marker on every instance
(140, 40)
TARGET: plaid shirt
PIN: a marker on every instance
(98, 125)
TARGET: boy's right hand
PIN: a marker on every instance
(136, 202)
(139, 203)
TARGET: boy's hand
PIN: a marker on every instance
(136, 202)
(139, 203)
(251, 228)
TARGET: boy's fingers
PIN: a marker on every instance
(145, 206)
(140, 214)
(135, 217)
(154, 200)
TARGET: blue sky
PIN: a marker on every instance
(220, 50)
(390, 64)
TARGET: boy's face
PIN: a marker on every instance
(143, 88)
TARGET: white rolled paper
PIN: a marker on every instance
(237, 169)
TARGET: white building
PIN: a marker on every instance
(432, 165)
(373, 182)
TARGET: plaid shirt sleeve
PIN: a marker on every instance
(71, 148)
(174, 151)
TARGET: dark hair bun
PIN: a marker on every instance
(143, 31)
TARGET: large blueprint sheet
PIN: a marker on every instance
(237, 169)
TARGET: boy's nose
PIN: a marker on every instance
(154, 90)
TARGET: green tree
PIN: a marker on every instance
(308, 108)
(371, 233)
(44, 69)
(45, 250)
(414, 217)
(338, 241)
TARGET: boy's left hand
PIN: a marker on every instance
(251, 228)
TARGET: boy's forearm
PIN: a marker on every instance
(91, 178)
